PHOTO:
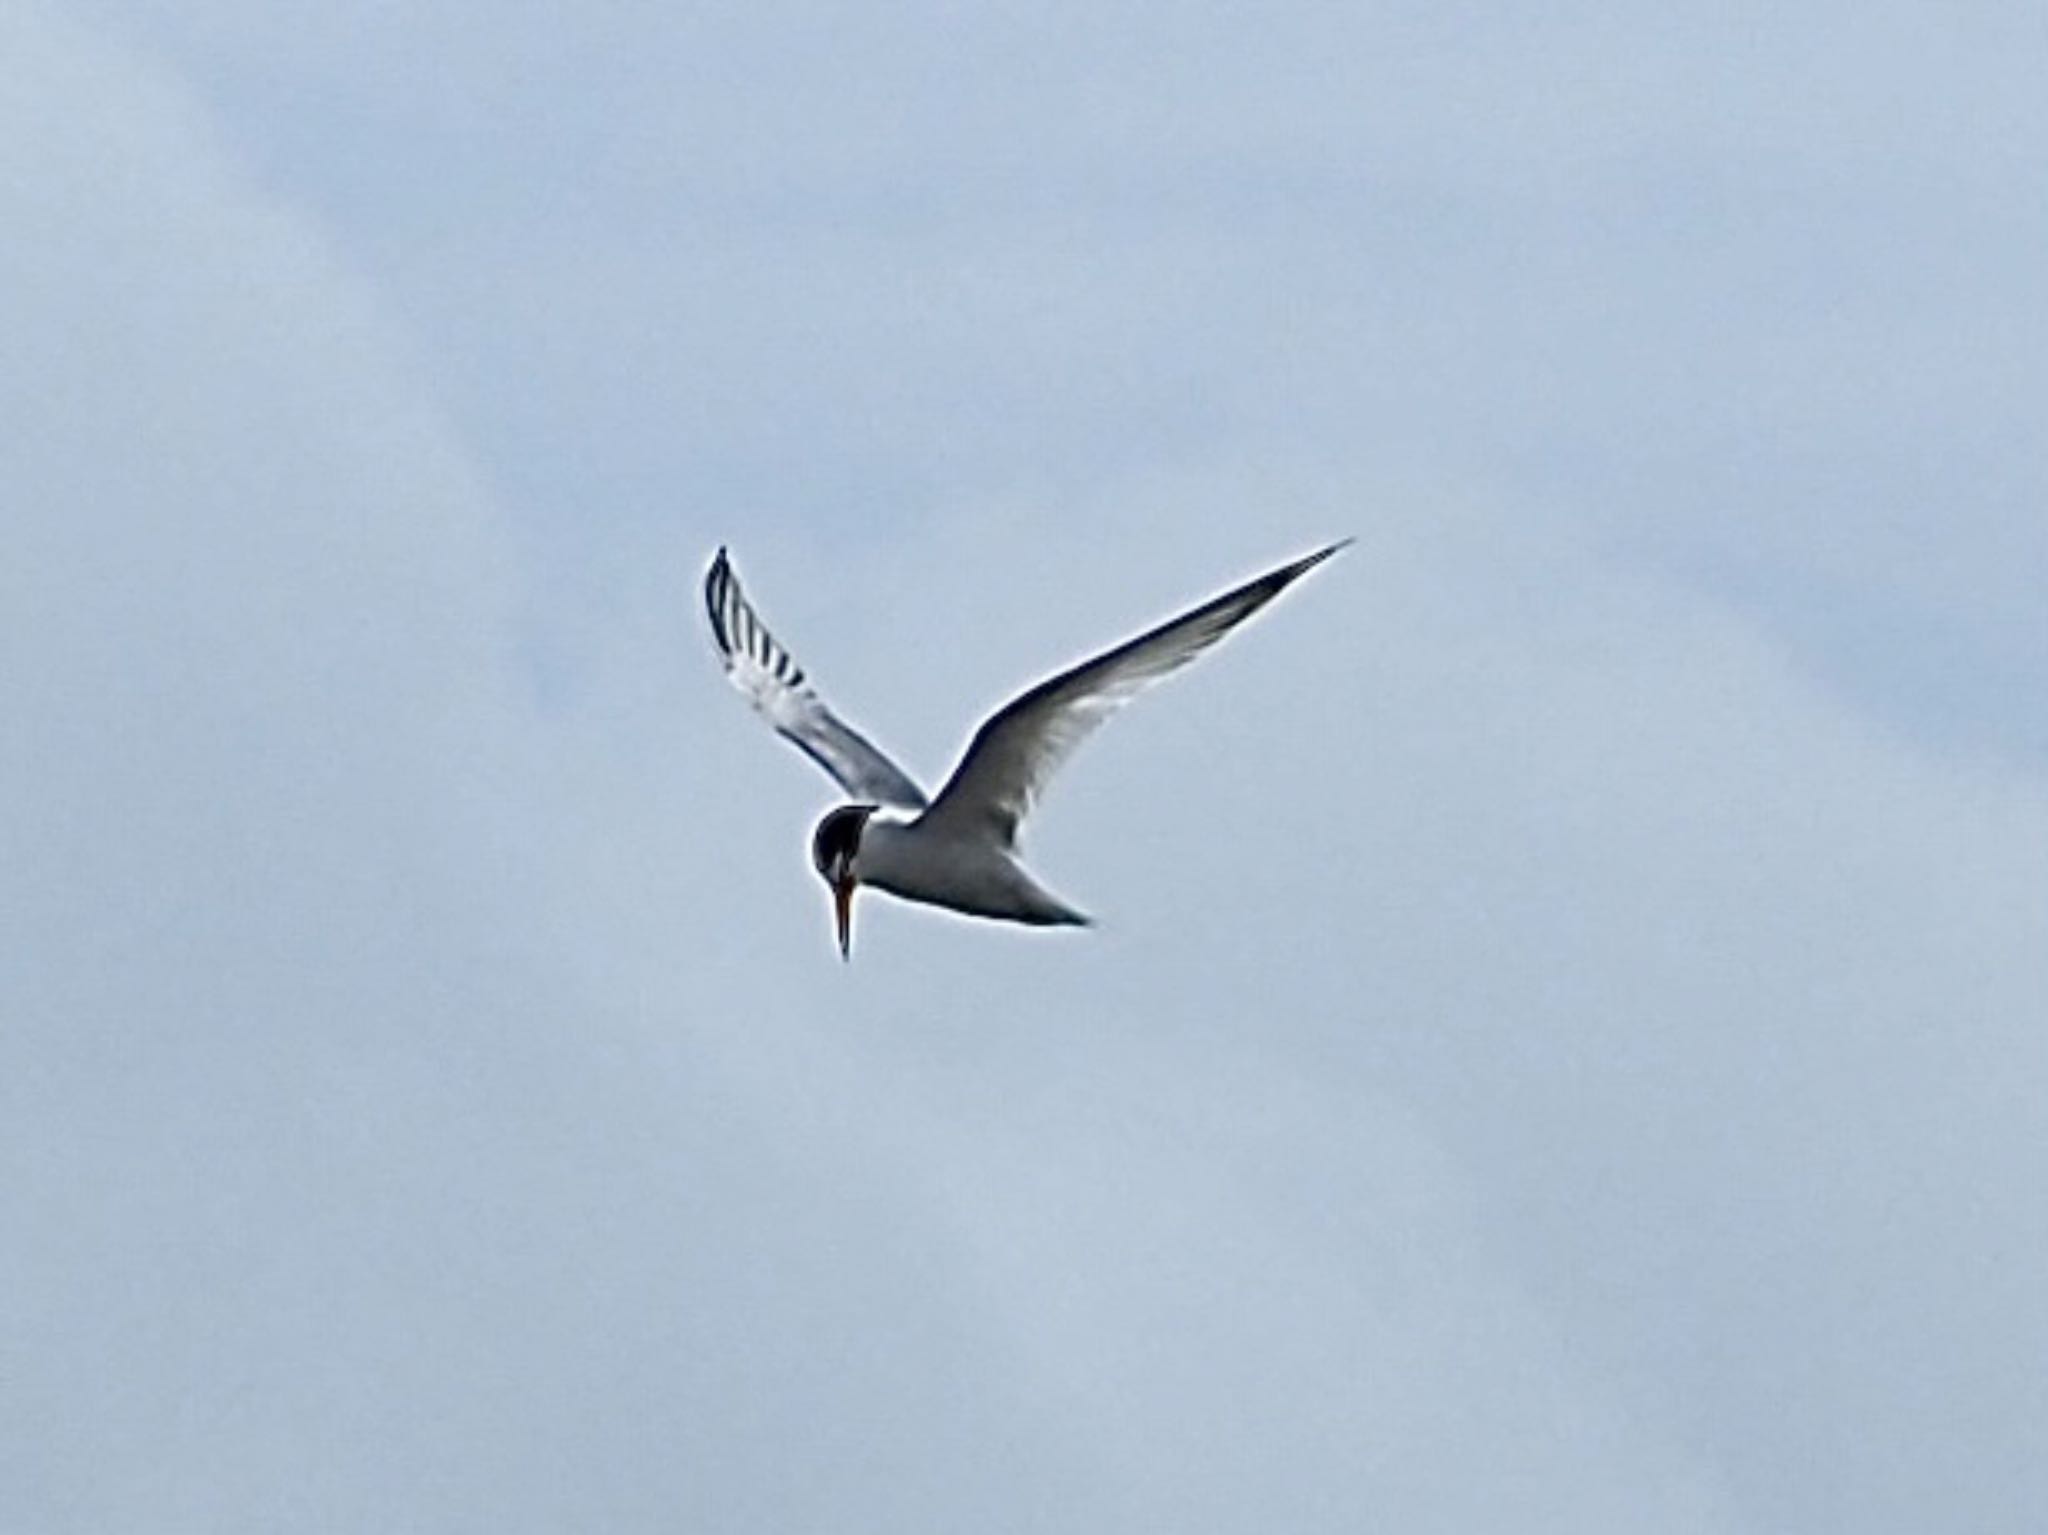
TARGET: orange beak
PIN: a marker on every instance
(842, 907)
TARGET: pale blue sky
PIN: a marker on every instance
(1564, 1050)
(1755, 294)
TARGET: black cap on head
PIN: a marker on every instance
(837, 838)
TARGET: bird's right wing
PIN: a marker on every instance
(760, 668)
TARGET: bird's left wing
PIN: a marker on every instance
(760, 668)
(1018, 748)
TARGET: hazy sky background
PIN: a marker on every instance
(1567, 1042)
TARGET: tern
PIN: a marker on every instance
(958, 849)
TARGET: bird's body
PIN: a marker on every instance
(920, 862)
(958, 849)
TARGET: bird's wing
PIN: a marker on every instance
(1017, 750)
(760, 668)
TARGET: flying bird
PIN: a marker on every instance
(958, 849)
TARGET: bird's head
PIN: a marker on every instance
(835, 849)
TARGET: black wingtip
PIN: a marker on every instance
(1328, 551)
(1275, 582)
(715, 580)
(1287, 575)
